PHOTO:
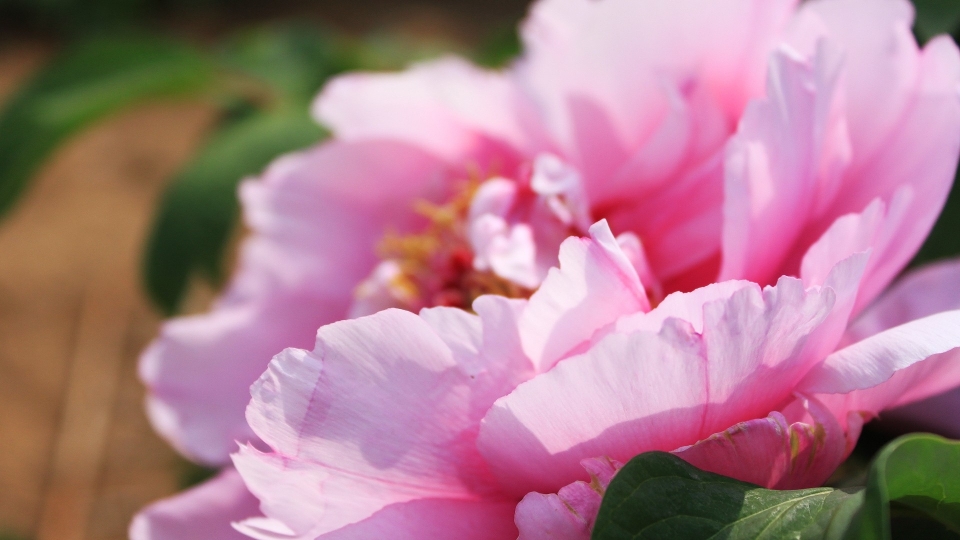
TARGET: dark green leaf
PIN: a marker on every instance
(936, 17)
(93, 80)
(944, 240)
(659, 496)
(199, 210)
(294, 60)
(920, 472)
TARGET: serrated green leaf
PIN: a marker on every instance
(659, 496)
(199, 210)
(936, 17)
(93, 80)
(920, 472)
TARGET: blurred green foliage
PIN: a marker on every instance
(95, 79)
(936, 17)
(199, 210)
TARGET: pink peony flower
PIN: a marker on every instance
(720, 139)
(512, 421)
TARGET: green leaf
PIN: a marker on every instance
(936, 17)
(919, 472)
(943, 241)
(198, 212)
(295, 60)
(659, 496)
(93, 80)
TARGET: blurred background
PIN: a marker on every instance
(125, 126)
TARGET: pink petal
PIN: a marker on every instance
(642, 391)
(776, 452)
(905, 136)
(595, 284)
(447, 107)
(679, 223)
(786, 158)
(921, 293)
(876, 359)
(384, 410)
(600, 112)
(202, 513)
(423, 519)
(570, 513)
(315, 217)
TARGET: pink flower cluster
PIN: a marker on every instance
(667, 226)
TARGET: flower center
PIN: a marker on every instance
(434, 267)
(500, 236)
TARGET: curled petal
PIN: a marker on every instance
(874, 360)
(570, 513)
(595, 284)
(776, 452)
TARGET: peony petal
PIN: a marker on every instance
(433, 518)
(447, 107)
(921, 293)
(776, 452)
(315, 217)
(600, 112)
(680, 225)
(876, 359)
(413, 520)
(595, 284)
(642, 391)
(788, 154)
(202, 513)
(907, 136)
(570, 513)
(383, 411)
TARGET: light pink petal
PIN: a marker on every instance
(202, 513)
(414, 520)
(447, 107)
(434, 518)
(685, 306)
(925, 291)
(679, 224)
(628, 394)
(906, 136)
(570, 513)
(385, 410)
(601, 112)
(642, 391)
(776, 452)
(876, 359)
(921, 293)
(595, 284)
(788, 154)
(316, 217)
